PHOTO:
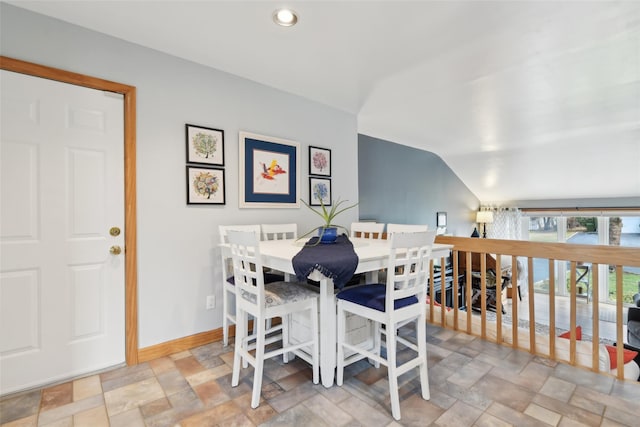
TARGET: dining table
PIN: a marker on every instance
(372, 256)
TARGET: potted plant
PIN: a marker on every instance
(328, 231)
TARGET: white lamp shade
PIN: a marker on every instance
(484, 217)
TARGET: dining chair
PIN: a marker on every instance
(266, 301)
(399, 301)
(279, 231)
(229, 288)
(367, 230)
(406, 228)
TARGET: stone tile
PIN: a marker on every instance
(238, 420)
(181, 355)
(298, 415)
(210, 393)
(582, 377)
(468, 374)
(364, 413)
(416, 411)
(544, 415)
(136, 375)
(155, 407)
(622, 417)
(512, 416)
(131, 418)
(172, 382)
(488, 420)
(58, 395)
(334, 394)
(259, 415)
(63, 422)
(95, 417)
(558, 389)
(185, 402)
(19, 406)
(327, 410)
(68, 410)
(189, 366)
(505, 392)
(460, 414)
(567, 410)
(125, 371)
(287, 399)
(30, 421)
(208, 375)
(133, 395)
(86, 387)
(296, 379)
(162, 365)
(225, 384)
(211, 417)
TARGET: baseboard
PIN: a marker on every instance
(186, 343)
(180, 344)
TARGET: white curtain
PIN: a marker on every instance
(506, 223)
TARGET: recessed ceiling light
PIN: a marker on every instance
(285, 17)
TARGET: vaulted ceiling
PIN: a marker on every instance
(523, 100)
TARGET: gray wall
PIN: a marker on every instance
(178, 258)
(400, 184)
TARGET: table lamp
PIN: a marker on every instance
(484, 217)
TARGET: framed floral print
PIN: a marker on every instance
(269, 176)
(205, 186)
(205, 145)
(319, 161)
(319, 191)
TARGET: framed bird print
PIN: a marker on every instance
(269, 172)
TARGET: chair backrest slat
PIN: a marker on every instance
(247, 264)
(367, 230)
(408, 266)
(279, 231)
(224, 230)
(406, 228)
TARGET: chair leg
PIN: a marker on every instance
(225, 318)
(316, 346)
(259, 327)
(340, 339)
(394, 394)
(421, 337)
(377, 341)
(285, 336)
(241, 333)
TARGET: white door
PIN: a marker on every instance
(62, 190)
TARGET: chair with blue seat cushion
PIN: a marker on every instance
(264, 302)
(394, 304)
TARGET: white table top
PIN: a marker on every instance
(372, 254)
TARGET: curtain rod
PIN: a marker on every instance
(580, 209)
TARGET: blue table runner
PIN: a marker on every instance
(337, 261)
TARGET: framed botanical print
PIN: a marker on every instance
(205, 186)
(319, 161)
(205, 145)
(319, 191)
(269, 172)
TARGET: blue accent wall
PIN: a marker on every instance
(400, 184)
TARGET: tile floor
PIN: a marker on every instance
(473, 383)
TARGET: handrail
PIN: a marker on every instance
(458, 319)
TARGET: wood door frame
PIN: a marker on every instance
(131, 260)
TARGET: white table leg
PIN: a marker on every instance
(327, 332)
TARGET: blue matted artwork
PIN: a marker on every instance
(268, 172)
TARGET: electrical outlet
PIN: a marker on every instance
(211, 302)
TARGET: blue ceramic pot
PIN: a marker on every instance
(328, 235)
